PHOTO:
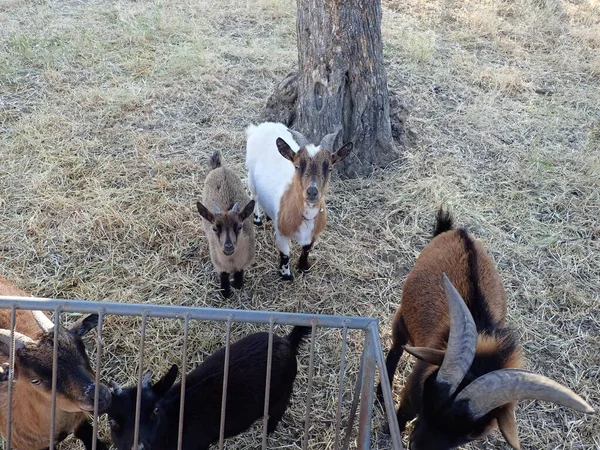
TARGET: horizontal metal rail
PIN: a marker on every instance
(179, 312)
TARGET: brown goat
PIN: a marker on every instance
(32, 389)
(468, 376)
(230, 236)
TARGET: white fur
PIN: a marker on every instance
(269, 173)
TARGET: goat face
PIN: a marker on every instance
(227, 226)
(76, 381)
(121, 412)
(469, 393)
(313, 170)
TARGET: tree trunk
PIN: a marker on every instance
(342, 80)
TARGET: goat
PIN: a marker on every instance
(468, 375)
(288, 177)
(159, 410)
(230, 237)
(32, 389)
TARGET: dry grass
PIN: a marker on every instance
(108, 111)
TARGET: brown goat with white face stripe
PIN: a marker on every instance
(468, 376)
(31, 405)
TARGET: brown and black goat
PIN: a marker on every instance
(230, 236)
(32, 388)
(468, 376)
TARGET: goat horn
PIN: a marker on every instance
(20, 339)
(236, 207)
(503, 386)
(299, 138)
(462, 339)
(43, 321)
(216, 209)
(329, 139)
(116, 388)
(146, 380)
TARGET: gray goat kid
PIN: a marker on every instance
(230, 235)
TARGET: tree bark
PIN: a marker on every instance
(342, 80)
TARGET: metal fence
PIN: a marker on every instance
(371, 359)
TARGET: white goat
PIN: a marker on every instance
(288, 177)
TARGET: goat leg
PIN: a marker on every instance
(225, 289)
(303, 263)
(238, 279)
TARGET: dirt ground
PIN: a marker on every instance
(109, 111)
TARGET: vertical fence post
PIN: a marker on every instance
(338, 413)
(225, 382)
(186, 324)
(356, 396)
(311, 369)
(268, 385)
(11, 376)
(54, 375)
(388, 400)
(97, 385)
(138, 399)
(366, 391)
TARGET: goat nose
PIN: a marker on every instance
(312, 191)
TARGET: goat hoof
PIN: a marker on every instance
(286, 276)
(226, 293)
(258, 223)
(304, 268)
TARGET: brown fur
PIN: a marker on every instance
(423, 309)
(31, 417)
(224, 188)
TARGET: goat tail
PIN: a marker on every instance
(215, 160)
(298, 336)
(443, 221)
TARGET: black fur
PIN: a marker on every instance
(215, 160)
(476, 300)
(245, 396)
(443, 222)
(225, 286)
(303, 263)
(238, 279)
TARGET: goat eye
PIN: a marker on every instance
(36, 381)
(155, 412)
(216, 229)
(297, 166)
(113, 424)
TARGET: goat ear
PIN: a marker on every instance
(248, 209)
(342, 153)
(508, 425)
(429, 355)
(204, 212)
(285, 150)
(85, 324)
(161, 387)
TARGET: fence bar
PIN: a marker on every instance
(388, 400)
(186, 324)
(138, 398)
(225, 382)
(352, 415)
(268, 386)
(311, 369)
(97, 386)
(338, 413)
(11, 374)
(175, 312)
(54, 375)
(366, 394)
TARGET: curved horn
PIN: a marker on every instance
(43, 321)
(146, 380)
(118, 390)
(20, 339)
(503, 386)
(216, 209)
(236, 207)
(462, 339)
(299, 138)
(329, 139)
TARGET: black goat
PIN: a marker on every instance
(159, 411)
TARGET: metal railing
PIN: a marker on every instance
(371, 359)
